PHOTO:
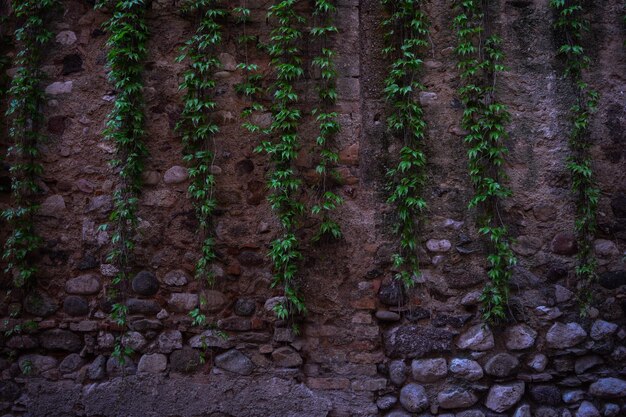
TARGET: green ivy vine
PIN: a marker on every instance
(26, 119)
(324, 62)
(282, 148)
(128, 35)
(571, 26)
(406, 36)
(485, 120)
(197, 128)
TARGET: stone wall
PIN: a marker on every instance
(367, 347)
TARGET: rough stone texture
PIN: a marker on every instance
(152, 363)
(520, 337)
(456, 397)
(608, 388)
(561, 336)
(429, 370)
(413, 398)
(478, 337)
(57, 339)
(235, 361)
(501, 397)
(145, 283)
(397, 372)
(416, 341)
(466, 369)
(501, 365)
(353, 301)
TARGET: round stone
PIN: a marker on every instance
(176, 278)
(397, 372)
(87, 284)
(152, 363)
(520, 337)
(185, 360)
(244, 307)
(145, 283)
(466, 369)
(75, 305)
(413, 398)
(175, 175)
(501, 365)
(456, 397)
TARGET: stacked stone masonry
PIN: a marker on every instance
(368, 347)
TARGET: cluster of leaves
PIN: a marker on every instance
(25, 117)
(406, 36)
(196, 125)
(251, 86)
(485, 120)
(128, 35)
(324, 62)
(570, 24)
(282, 147)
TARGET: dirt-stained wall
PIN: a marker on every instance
(366, 348)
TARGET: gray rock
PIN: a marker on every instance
(244, 307)
(562, 294)
(610, 410)
(87, 284)
(467, 413)
(603, 329)
(286, 357)
(209, 339)
(612, 280)
(587, 409)
(214, 301)
(412, 341)
(185, 360)
(176, 278)
(398, 413)
(234, 361)
(608, 388)
(169, 340)
(96, 370)
(605, 248)
(585, 363)
(144, 325)
(57, 339)
(75, 305)
(501, 397)
(134, 340)
(71, 363)
(573, 397)
(397, 372)
(284, 334)
(438, 245)
(152, 363)
(386, 402)
(140, 306)
(39, 304)
(429, 370)
(175, 175)
(520, 337)
(456, 397)
(522, 411)
(413, 398)
(145, 283)
(386, 315)
(501, 365)
(466, 369)
(564, 243)
(59, 87)
(478, 338)
(538, 362)
(115, 367)
(33, 365)
(547, 412)
(546, 394)
(562, 336)
(392, 294)
(183, 302)
(53, 206)
(66, 37)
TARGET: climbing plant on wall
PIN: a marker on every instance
(571, 26)
(485, 120)
(324, 62)
(282, 148)
(26, 118)
(406, 36)
(128, 35)
(197, 127)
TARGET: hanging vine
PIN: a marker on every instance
(485, 119)
(26, 118)
(286, 61)
(406, 36)
(198, 129)
(128, 35)
(324, 62)
(571, 25)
